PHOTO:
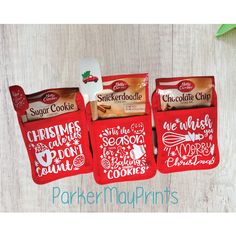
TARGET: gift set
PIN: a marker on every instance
(54, 128)
(105, 126)
(185, 114)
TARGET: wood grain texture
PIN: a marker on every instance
(45, 56)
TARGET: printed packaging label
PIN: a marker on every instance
(51, 103)
(186, 92)
(122, 96)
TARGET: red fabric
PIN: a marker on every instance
(58, 147)
(122, 149)
(187, 139)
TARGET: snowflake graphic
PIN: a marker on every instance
(184, 157)
(101, 156)
(76, 142)
(105, 132)
(57, 160)
(129, 147)
(118, 127)
(68, 144)
(177, 120)
(145, 145)
(101, 146)
(173, 153)
(144, 133)
(105, 171)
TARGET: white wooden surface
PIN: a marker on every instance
(43, 56)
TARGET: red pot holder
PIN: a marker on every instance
(58, 147)
(187, 138)
(122, 149)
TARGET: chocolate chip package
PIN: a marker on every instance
(185, 92)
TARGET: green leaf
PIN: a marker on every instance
(86, 74)
(224, 29)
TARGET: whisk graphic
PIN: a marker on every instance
(171, 139)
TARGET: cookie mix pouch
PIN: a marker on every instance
(123, 96)
(185, 114)
(53, 125)
(122, 145)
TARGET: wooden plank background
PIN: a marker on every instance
(43, 56)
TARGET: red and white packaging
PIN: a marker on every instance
(187, 138)
(122, 146)
(58, 146)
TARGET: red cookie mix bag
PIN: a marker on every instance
(54, 129)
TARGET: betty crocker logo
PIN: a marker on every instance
(49, 98)
(185, 86)
(57, 148)
(119, 86)
(123, 151)
(189, 142)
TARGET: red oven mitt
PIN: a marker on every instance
(58, 147)
(187, 138)
(122, 148)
